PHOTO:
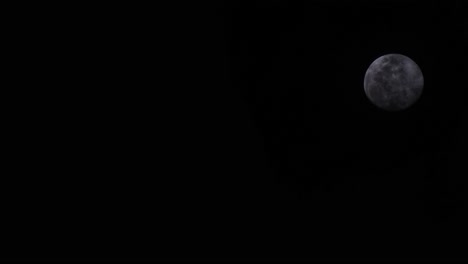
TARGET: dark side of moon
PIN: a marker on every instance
(393, 82)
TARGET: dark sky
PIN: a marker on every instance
(235, 129)
(300, 68)
(338, 166)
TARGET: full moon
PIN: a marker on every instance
(393, 82)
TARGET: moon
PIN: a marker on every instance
(393, 82)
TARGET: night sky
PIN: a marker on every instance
(234, 130)
(300, 67)
(340, 168)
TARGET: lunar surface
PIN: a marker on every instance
(393, 82)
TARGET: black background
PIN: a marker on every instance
(233, 130)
